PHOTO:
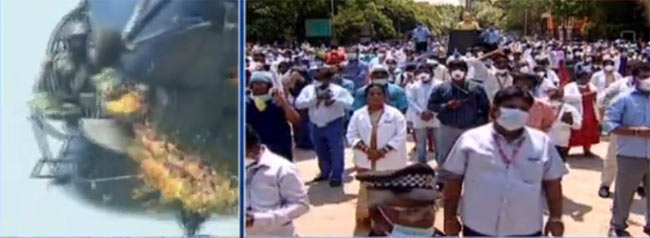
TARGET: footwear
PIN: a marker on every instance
(335, 184)
(613, 232)
(319, 178)
(603, 192)
(640, 191)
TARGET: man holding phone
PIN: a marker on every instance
(459, 105)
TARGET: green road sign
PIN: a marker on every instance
(318, 27)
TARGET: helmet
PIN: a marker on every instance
(77, 29)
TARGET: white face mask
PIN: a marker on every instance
(457, 74)
(424, 77)
(609, 68)
(541, 74)
(524, 70)
(400, 231)
(644, 84)
(380, 81)
(501, 72)
(317, 83)
(512, 119)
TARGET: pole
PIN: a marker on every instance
(526, 22)
(332, 20)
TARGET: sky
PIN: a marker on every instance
(32, 207)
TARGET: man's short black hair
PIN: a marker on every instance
(457, 64)
(252, 138)
(644, 67)
(516, 76)
(512, 92)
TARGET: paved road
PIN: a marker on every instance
(586, 214)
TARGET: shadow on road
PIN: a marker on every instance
(594, 162)
(576, 210)
(321, 194)
(302, 155)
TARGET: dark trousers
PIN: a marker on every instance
(421, 47)
(468, 232)
(328, 142)
(563, 151)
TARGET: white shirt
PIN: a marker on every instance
(600, 82)
(560, 132)
(418, 97)
(500, 200)
(320, 114)
(275, 195)
(391, 131)
(573, 97)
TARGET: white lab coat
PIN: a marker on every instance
(418, 98)
(391, 131)
(573, 97)
(560, 132)
(491, 84)
(600, 81)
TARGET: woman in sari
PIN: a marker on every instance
(581, 94)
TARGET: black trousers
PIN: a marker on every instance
(468, 232)
(421, 47)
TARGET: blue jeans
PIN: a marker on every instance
(421, 137)
(328, 143)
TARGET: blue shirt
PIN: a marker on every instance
(420, 34)
(491, 36)
(396, 98)
(632, 108)
(356, 70)
(473, 110)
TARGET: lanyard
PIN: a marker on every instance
(507, 160)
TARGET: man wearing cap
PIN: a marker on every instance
(542, 115)
(396, 95)
(402, 202)
(459, 105)
(266, 106)
(505, 173)
(327, 104)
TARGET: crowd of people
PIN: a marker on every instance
(500, 123)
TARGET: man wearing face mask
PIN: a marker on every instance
(567, 118)
(266, 106)
(380, 59)
(541, 113)
(459, 105)
(327, 104)
(495, 78)
(603, 79)
(544, 62)
(275, 194)
(396, 95)
(506, 174)
(629, 119)
(355, 69)
(402, 202)
(424, 120)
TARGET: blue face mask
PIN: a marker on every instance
(405, 231)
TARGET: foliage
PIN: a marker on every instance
(273, 20)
